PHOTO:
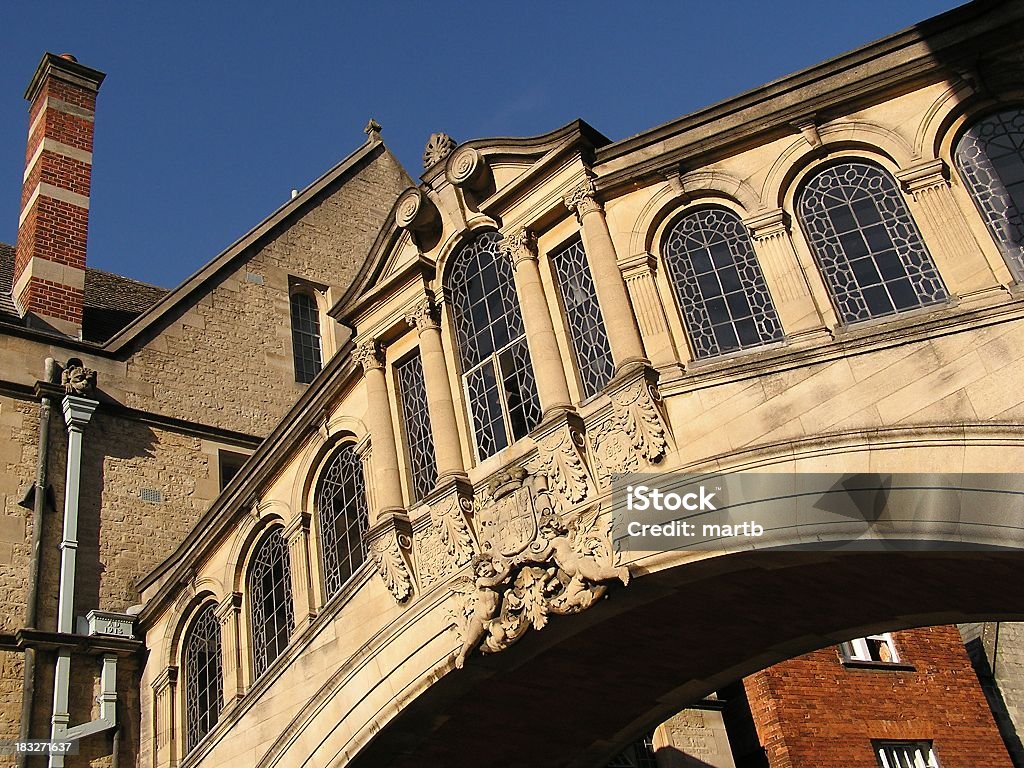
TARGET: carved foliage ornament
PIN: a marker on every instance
(439, 146)
(582, 199)
(518, 245)
(366, 355)
(520, 581)
(634, 431)
(387, 555)
(559, 459)
(422, 315)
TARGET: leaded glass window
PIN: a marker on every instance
(868, 248)
(305, 337)
(342, 517)
(204, 691)
(496, 367)
(583, 314)
(639, 754)
(990, 157)
(419, 440)
(719, 284)
(270, 601)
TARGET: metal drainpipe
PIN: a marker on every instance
(38, 508)
(77, 413)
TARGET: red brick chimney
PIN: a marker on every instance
(49, 269)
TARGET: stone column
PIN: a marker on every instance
(638, 272)
(623, 334)
(388, 479)
(803, 305)
(296, 533)
(229, 614)
(548, 364)
(440, 405)
(958, 257)
(165, 753)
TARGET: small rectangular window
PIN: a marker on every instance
(306, 348)
(905, 754)
(230, 462)
(877, 648)
(419, 440)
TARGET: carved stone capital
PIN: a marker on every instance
(368, 356)
(390, 543)
(439, 146)
(423, 315)
(165, 680)
(767, 224)
(299, 524)
(518, 245)
(923, 176)
(228, 607)
(582, 199)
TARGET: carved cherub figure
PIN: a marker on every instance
(577, 566)
(486, 602)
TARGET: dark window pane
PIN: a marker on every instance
(342, 518)
(204, 690)
(305, 337)
(272, 615)
(419, 439)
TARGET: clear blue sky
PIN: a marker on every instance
(213, 111)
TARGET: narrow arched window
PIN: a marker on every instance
(867, 247)
(719, 284)
(306, 347)
(204, 687)
(419, 440)
(990, 157)
(270, 601)
(496, 369)
(341, 517)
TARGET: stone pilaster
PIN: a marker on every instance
(296, 533)
(164, 687)
(440, 404)
(229, 614)
(957, 255)
(639, 273)
(612, 296)
(520, 248)
(388, 480)
(803, 304)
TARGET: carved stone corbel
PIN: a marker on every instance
(560, 457)
(633, 434)
(390, 543)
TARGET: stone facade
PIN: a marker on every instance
(483, 610)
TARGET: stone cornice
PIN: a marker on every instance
(923, 53)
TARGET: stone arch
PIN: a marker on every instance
(713, 184)
(451, 245)
(853, 136)
(252, 527)
(184, 613)
(314, 452)
(733, 613)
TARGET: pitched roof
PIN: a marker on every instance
(111, 301)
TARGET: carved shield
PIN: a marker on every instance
(508, 525)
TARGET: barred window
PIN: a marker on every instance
(204, 691)
(718, 283)
(583, 314)
(270, 601)
(990, 157)
(306, 337)
(342, 518)
(419, 441)
(496, 369)
(866, 245)
(905, 754)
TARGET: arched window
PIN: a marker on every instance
(990, 157)
(341, 517)
(867, 247)
(496, 369)
(204, 687)
(718, 283)
(306, 348)
(270, 601)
